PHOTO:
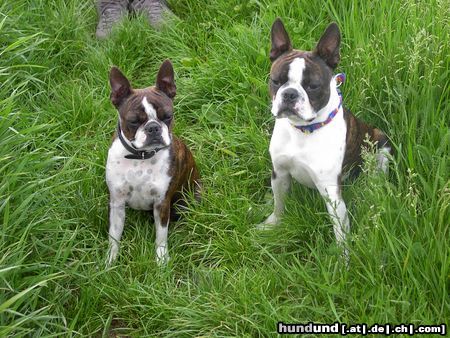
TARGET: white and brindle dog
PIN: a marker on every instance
(148, 167)
(315, 139)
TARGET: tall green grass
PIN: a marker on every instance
(225, 278)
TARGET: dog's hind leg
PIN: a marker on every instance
(384, 150)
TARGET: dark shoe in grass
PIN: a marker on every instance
(154, 9)
(110, 12)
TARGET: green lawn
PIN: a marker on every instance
(225, 278)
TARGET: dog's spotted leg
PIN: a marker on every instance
(161, 214)
(116, 223)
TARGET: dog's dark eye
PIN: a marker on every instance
(167, 119)
(134, 123)
(276, 83)
(312, 87)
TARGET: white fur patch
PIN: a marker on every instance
(149, 109)
(165, 134)
(309, 158)
(139, 138)
(296, 69)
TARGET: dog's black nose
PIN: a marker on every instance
(290, 95)
(153, 128)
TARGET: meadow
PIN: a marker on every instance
(224, 278)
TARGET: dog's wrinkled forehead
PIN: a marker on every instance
(312, 65)
(301, 67)
(281, 65)
(150, 102)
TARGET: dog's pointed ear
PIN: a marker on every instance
(328, 46)
(280, 40)
(120, 86)
(165, 81)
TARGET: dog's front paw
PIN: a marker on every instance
(269, 223)
(345, 257)
(162, 256)
(112, 255)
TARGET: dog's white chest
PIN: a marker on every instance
(309, 158)
(140, 183)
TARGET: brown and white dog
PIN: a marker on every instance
(314, 139)
(147, 166)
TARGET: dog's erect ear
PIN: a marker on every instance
(280, 40)
(328, 46)
(165, 81)
(120, 86)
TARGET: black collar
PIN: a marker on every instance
(136, 154)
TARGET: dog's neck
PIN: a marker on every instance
(133, 153)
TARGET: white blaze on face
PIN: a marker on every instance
(149, 109)
(302, 107)
(296, 69)
(141, 135)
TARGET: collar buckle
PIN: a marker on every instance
(340, 79)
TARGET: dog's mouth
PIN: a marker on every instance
(286, 112)
(151, 140)
(150, 143)
(293, 114)
(155, 141)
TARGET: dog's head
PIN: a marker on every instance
(301, 81)
(146, 115)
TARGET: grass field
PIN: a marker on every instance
(224, 278)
